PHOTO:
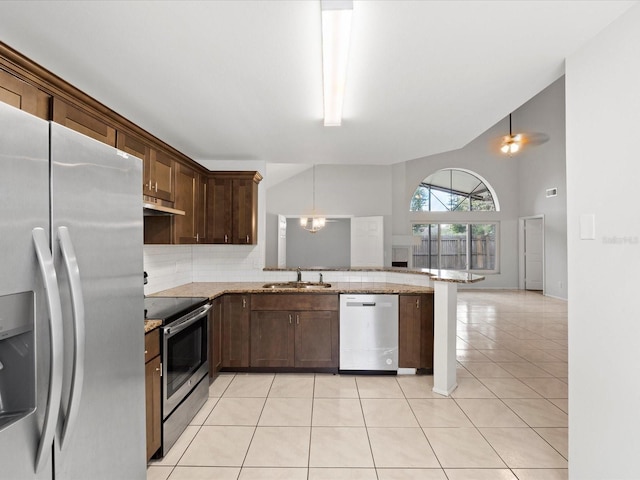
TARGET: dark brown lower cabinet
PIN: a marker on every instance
(153, 382)
(294, 330)
(415, 336)
(317, 336)
(235, 330)
(272, 339)
(302, 339)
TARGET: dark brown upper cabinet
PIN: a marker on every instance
(232, 216)
(22, 95)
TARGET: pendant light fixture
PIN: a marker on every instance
(313, 223)
(511, 144)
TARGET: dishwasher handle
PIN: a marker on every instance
(361, 304)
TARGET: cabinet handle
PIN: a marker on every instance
(297, 319)
(146, 351)
(197, 237)
(244, 303)
(156, 187)
(160, 369)
(226, 238)
(157, 369)
(247, 238)
(290, 319)
(417, 303)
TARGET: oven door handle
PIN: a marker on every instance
(178, 327)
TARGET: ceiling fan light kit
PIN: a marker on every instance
(511, 144)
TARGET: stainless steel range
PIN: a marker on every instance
(185, 366)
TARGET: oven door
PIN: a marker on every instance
(185, 357)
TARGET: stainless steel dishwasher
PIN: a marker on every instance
(369, 333)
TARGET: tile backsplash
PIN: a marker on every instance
(169, 266)
(172, 265)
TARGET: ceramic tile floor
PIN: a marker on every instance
(506, 420)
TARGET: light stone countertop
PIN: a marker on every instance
(212, 290)
(435, 274)
(150, 324)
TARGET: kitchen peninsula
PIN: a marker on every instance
(440, 285)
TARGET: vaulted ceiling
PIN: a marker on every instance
(242, 80)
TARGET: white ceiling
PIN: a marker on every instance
(241, 80)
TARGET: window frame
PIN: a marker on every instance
(468, 224)
(480, 178)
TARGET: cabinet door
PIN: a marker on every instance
(409, 339)
(185, 228)
(426, 327)
(153, 399)
(244, 212)
(272, 337)
(83, 122)
(24, 96)
(219, 212)
(235, 331)
(161, 176)
(316, 339)
(215, 338)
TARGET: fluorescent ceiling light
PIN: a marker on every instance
(336, 31)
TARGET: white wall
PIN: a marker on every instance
(603, 173)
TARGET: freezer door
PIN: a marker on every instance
(24, 352)
(97, 218)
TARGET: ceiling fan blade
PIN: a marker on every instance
(534, 138)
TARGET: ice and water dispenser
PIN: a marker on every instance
(17, 357)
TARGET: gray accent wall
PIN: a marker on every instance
(325, 248)
(541, 168)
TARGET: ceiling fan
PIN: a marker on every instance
(513, 143)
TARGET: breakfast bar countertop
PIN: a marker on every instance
(216, 289)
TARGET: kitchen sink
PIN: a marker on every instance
(297, 285)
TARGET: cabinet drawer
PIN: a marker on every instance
(295, 301)
(151, 344)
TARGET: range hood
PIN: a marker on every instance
(154, 209)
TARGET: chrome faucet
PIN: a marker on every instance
(321, 280)
(299, 273)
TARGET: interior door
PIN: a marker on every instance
(533, 254)
(367, 242)
(282, 241)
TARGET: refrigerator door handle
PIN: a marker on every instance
(49, 278)
(77, 307)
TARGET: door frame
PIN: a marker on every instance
(521, 237)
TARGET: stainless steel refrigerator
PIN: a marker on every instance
(72, 397)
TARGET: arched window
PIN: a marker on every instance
(444, 241)
(452, 190)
